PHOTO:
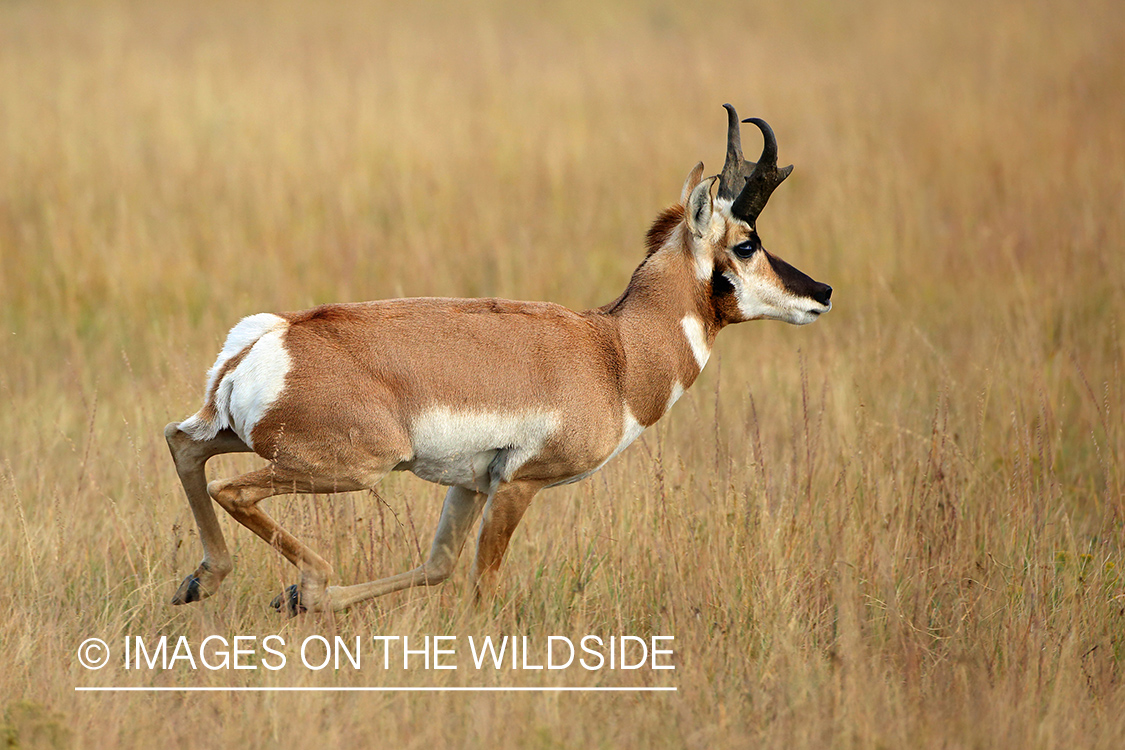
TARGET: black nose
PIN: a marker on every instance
(822, 294)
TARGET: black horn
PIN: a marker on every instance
(749, 184)
(733, 177)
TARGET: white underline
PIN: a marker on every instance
(373, 689)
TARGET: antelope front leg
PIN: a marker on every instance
(460, 510)
(502, 514)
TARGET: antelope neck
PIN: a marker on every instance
(666, 327)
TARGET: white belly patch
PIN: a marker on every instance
(473, 449)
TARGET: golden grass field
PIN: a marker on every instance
(903, 526)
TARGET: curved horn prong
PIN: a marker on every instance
(734, 175)
(762, 180)
(769, 145)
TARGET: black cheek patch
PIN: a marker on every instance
(720, 284)
(723, 298)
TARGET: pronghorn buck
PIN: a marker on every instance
(494, 399)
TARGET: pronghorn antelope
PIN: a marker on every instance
(494, 399)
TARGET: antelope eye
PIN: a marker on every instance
(745, 249)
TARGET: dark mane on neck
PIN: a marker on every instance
(663, 227)
(658, 234)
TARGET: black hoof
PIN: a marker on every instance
(188, 592)
(291, 598)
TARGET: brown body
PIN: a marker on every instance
(381, 356)
(495, 399)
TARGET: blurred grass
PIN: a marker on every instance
(899, 527)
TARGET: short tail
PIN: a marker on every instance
(215, 415)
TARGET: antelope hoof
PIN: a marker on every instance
(191, 590)
(291, 600)
(201, 584)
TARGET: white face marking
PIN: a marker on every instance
(467, 448)
(760, 297)
(758, 291)
(697, 339)
(265, 377)
(722, 209)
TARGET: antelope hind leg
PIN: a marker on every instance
(191, 456)
(240, 497)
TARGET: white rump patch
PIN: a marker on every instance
(245, 332)
(246, 392)
(473, 449)
(697, 339)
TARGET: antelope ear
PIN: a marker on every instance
(699, 206)
(693, 178)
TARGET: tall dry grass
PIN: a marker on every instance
(900, 527)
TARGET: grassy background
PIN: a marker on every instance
(899, 527)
